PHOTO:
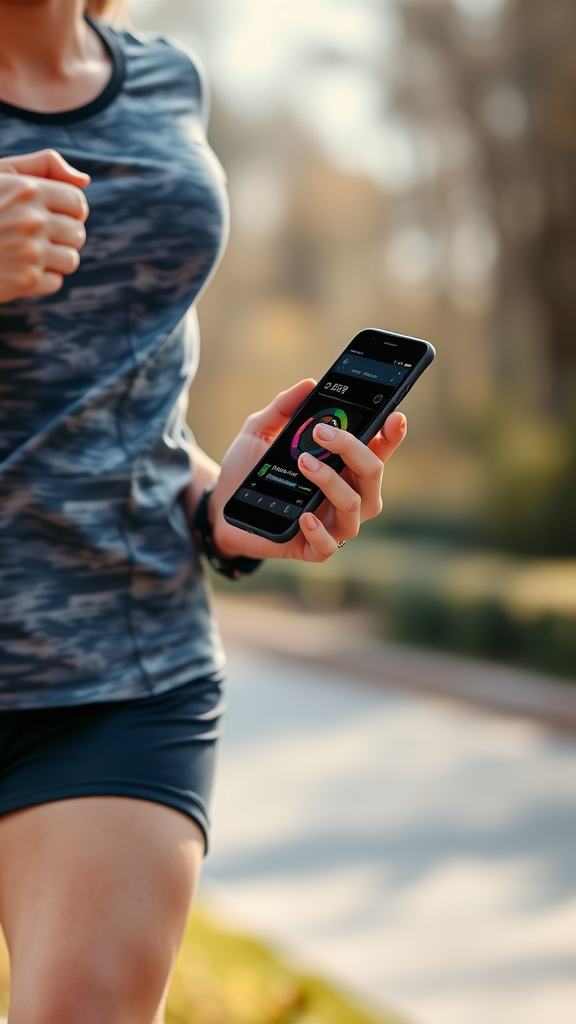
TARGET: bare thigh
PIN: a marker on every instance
(94, 896)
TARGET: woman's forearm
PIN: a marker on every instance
(206, 473)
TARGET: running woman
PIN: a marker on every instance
(113, 216)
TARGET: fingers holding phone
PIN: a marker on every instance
(355, 495)
(389, 437)
(364, 462)
(342, 513)
(41, 224)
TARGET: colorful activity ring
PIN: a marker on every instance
(303, 441)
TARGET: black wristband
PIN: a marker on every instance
(233, 568)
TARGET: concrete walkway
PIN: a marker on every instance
(345, 640)
(420, 851)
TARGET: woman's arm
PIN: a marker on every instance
(206, 473)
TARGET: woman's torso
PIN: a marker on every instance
(101, 593)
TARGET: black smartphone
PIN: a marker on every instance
(362, 388)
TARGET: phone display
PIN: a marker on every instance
(362, 388)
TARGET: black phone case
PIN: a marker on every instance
(365, 437)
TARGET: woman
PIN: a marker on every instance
(110, 663)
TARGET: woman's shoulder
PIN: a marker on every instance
(152, 53)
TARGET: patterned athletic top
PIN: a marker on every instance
(102, 596)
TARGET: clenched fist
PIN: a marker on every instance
(42, 216)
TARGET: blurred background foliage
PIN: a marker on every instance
(407, 164)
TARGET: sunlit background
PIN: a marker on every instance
(410, 165)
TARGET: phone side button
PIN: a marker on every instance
(402, 394)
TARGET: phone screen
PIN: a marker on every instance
(351, 396)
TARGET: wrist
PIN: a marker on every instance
(213, 517)
(228, 565)
(205, 474)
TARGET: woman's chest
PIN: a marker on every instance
(158, 209)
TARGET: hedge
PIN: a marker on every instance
(484, 604)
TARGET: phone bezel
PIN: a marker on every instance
(367, 435)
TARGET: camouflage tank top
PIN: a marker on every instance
(102, 596)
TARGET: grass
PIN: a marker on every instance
(223, 977)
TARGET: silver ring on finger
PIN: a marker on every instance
(341, 543)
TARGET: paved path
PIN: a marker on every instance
(422, 851)
(346, 639)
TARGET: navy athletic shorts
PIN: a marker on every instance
(159, 748)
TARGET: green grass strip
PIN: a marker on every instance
(224, 977)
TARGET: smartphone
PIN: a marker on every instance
(365, 384)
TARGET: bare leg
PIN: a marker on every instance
(94, 896)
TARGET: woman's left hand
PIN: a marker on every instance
(350, 497)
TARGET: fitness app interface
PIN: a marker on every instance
(348, 397)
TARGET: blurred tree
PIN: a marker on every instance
(490, 85)
(493, 87)
(458, 225)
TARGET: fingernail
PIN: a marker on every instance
(325, 432)
(311, 521)
(309, 462)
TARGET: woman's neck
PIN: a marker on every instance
(50, 59)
